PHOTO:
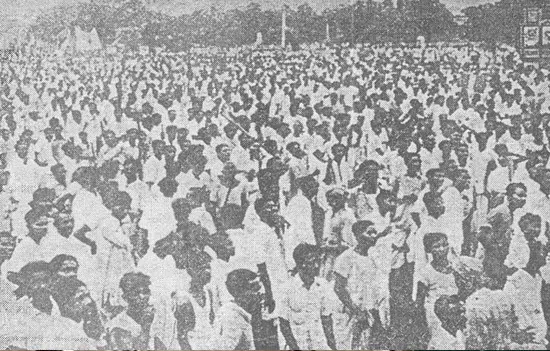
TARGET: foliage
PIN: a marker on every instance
(365, 20)
(494, 22)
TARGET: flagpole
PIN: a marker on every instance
(283, 29)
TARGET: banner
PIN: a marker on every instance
(546, 35)
(531, 35)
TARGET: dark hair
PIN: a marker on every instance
(529, 217)
(441, 306)
(238, 280)
(131, 281)
(57, 261)
(231, 216)
(220, 147)
(513, 186)
(302, 251)
(430, 239)
(431, 172)
(359, 227)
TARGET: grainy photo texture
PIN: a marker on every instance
(274, 175)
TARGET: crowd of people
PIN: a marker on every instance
(343, 197)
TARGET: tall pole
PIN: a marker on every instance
(283, 29)
(353, 22)
(328, 32)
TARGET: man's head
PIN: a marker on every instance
(307, 258)
(266, 209)
(295, 150)
(436, 177)
(434, 204)
(516, 193)
(339, 151)
(7, 246)
(37, 223)
(436, 244)
(59, 173)
(530, 225)
(231, 216)
(365, 233)
(136, 290)
(199, 268)
(182, 209)
(414, 163)
(451, 312)
(245, 288)
(229, 171)
(223, 152)
(74, 300)
(337, 198)
(110, 138)
(22, 149)
(168, 186)
(158, 148)
(64, 266)
(33, 281)
(462, 179)
(544, 178)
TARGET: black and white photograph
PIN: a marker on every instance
(274, 174)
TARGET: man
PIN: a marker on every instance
(111, 150)
(39, 327)
(228, 189)
(223, 155)
(153, 168)
(504, 216)
(130, 330)
(76, 304)
(450, 336)
(525, 285)
(309, 326)
(36, 245)
(233, 328)
(361, 289)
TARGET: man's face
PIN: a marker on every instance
(311, 266)
(545, 178)
(5, 134)
(110, 139)
(81, 304)
(251, 294)
(224, 154)
(436, 208)
(339, 152)
(298, 129)
(64, 222)
(437, 179)
(457, 311)
(462, 152)
(440, 248)
(531, 230)
(4, 178)
(68, 269)
(22, 150)
(172, 115)
(39, 228)
(415, 164)
(367, 239)
(518, 198)
(139, 298)
(60, 174)
(7, 245)
(336, 201)
(463, 180)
